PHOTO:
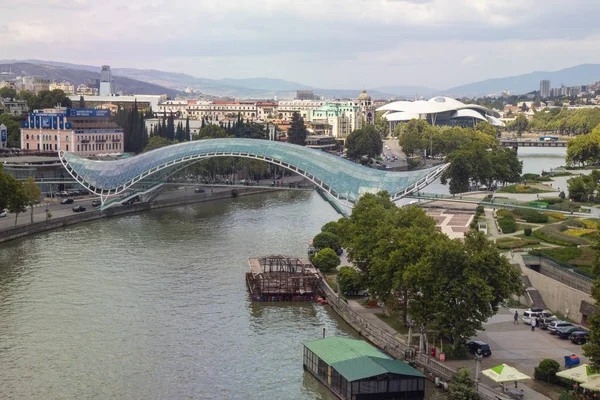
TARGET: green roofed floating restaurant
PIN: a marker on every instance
(355, 370)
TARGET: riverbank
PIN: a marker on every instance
(15, 232)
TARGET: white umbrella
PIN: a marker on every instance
(505, 373)
(581, 374)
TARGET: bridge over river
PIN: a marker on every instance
(516, 143)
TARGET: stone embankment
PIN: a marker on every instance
(53, 223)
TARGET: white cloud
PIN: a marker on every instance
(330, 43)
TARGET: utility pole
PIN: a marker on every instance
(478, 358)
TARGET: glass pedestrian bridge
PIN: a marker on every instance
(339, 178)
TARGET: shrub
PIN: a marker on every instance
(573, 222)
(547, 370)
(326, 260)
(512, 243)
(589, 224)
(504, 213)
(556, 215)
(462, 387)
(562, 255)
(479, 210)
(527, 231)
(507, 224)
(585, 271)
(531, 215)
(351, 280)
(554, 234)
(326, 240)
(234, 193)
(552, 200)
(579, 232)
(562, 195)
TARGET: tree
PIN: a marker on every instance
(8, 93)
(414, 135)
(455, 287)
(13, 129)
(461, 387)
(350, 280)
(251, 130)
(364, 142)
(212, 131)
(156, 142)
(297, 132)
(459, 172)
(520, 124)
(17, 200)
(171, 128)
(32, 193)
(326, 260)
(592, 348)
(187, 128)
(327, 240)
(48, 99)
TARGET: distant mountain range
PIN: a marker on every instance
(149, 81)
(79, 76)
(520, 84)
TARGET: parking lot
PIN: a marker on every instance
(519, 347)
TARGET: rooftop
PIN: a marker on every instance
(357, 359)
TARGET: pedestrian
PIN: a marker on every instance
(533, 324)
(516, 321)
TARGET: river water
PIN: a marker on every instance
(154, 306)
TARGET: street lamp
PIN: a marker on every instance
(478, 358)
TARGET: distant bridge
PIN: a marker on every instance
(532, 143)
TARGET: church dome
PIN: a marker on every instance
(364, 96)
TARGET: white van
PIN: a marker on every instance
(535, 313)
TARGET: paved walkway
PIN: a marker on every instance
(369, 315)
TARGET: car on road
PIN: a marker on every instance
(67, 201)
(2, 213)
(579, 337)
(477, 345)
(565, 332)
(535, 313)
(78, 209)
(198, 190)
(96, 203)
(558, 324)
(545, 322)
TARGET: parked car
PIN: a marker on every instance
(535, 313)
(67, 201)
(558, 324)
(545, 322)
(476, 345)
(2, 213)
(565, 332)
(579, 337)
(78, 209)
(96, 203)
(198, 190)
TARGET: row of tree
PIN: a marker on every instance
(16, 196)
(451, 287)
(134, 126)
(584, 149)
(474, 154)
(43, 99)
(565, 121)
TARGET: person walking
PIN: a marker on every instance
(533, 324)
(516, 321)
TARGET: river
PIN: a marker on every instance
(154, 306)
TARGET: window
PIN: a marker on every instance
(27, 146)
(67, 146)
(55, 146)
(55, 137)
(38, 145)
(67, 138)
(27, 136)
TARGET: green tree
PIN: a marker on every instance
(459, 172)
(506, 164)
(578, 190)
(364, 142)
(212, 131)
(171, 128)
(326, 260)
(8, 93)
(48, 99)
(462, 387)
(350, 280)
(520, 124)
(251, 130)
(455, 287)
(156, 142)
(413, 136)
(487, 128)
(327, 240)
(297, 133)
(592, 348)
(32, 193)
(13, 129)
(17, 201)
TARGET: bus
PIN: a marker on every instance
(548, 139)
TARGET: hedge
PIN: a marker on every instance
(531, 215)
(507, 224)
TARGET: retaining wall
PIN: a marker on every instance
(53, 223)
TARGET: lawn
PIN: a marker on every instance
(525, 189)
(555, 234)
(514, 242)
(393, 322)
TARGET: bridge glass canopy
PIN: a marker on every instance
(341, 178)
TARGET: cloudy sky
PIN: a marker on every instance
(322, 43)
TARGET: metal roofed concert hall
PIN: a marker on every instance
(341, 179)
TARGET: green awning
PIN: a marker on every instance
(367, 367)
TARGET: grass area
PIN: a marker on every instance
(331, 280)
(521, 226)
(394, 322)
(562, 254)
(555, 234)
(514, 242)
(524, 189)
